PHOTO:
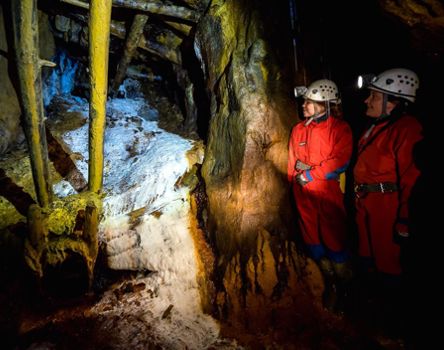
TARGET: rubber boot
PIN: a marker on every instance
(343, 270)
(393, 306)
(329, 297)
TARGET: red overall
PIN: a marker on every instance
(388, 158)
(326, 146)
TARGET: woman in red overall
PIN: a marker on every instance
(384, 175)
(385, 172)
(319, 151)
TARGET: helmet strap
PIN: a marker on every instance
(327, 107)
(313, 117)
(384, 107)
(317, 114)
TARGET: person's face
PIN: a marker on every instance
(375, 104)
(310, 108)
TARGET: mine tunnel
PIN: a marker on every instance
(144, 200)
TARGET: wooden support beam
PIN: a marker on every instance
(63, 163)
(183, 79)
(171, 54)
(15, 194)
(153, 6)
(99, 31)
(199, 5)
(132, 41)
(91, 228)
(159, 8)
(77, 3)
(25, 24)
(35, 244)
(181, 27)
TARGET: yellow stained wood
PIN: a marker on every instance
(25, 22)
(136, 32)
(99, 31)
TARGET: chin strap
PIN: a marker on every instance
(313, 117)
(318, 115)
(384, 107)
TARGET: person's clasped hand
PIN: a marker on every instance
(300, 179)
(401, 234)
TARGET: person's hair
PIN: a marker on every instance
(335, 108)
(402, 105)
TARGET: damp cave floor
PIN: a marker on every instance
(30, 320)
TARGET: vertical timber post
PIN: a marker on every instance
(26, 37)
(99, 31)
(92, 219)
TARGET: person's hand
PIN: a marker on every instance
(302, 166)
(401, 234)
(301, 180)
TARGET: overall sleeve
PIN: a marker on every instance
(339, 158)
(291, 172)
(407, 171)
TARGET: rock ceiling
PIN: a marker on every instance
(425, 20)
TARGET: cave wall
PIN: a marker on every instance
(10, 129)
(250, 215)
(10, 109)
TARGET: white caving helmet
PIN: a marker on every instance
(323, 90)
(397, 82)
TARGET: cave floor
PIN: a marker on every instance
(60, 319)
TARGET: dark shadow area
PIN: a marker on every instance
(191, 63)
(28, 306)
(67, 279)
(339, 41)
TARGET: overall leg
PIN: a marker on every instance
(380, 212)
(381, 218)
(333, 220)
(333, 228)
(307, 208)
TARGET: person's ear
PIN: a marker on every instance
(391, 105)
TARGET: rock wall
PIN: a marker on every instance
(250, 216)
(10, 109)
(10, 130)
